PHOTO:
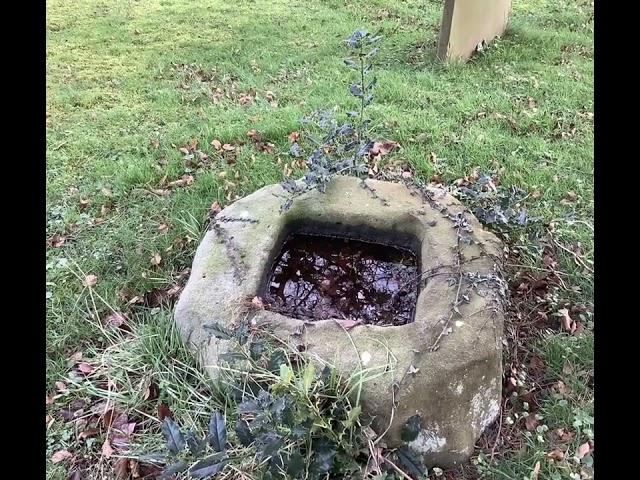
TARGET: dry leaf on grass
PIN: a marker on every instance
(115, 320)
(57, 241)
(568, 324)
(583, 450)
(107, 449)
(60, 456)
(531, 422)
(215, 208)
(536, 471)
(556, 454)
(382, 148)
(293, 137)
(163, 228)
(156, 259)
(90, 280)
(164, 412)
(186, 180)
(85, 368)
(257, 303)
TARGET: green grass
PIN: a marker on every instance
(129, 82)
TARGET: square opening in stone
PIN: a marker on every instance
(318, 277)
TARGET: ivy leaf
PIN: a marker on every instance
(268, 444)
(290, 185)
(295, 465)
(256, 348)
(411, 429)
(243, 432)
(350, 63)
(219, 331)
(356, 37)
(323, 453)
(283, 411)
(209, 466)
(365, 149)
(295, 151)
(249, 406)
(153, 458)
(171, 470)
(217, 432)
(196, 445)
(277, 358)
(172, 435)
(356, 90)
(352, 416)
(300, 430)
(412, 462)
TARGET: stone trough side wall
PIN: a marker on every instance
(444, 367)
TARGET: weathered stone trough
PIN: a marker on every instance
(444, 367)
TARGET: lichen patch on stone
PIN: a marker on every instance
(428, 441)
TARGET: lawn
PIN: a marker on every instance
(137, 91)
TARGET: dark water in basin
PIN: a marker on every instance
(320, 277)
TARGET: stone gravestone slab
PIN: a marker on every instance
(469, 23)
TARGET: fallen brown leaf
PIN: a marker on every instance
(254, 135)
(561, 387)
(115, 320)
(85, 368)
(228, 147)
(563, 436)
(108, 417)
(568, 324)
(257, 303)
(215, 208)
(82, 205)
(536, 471)
(156, 259)
(382, 148)
(270, 97)
(161, 192)
(184, 150)
(531, 422)
(134, 468)
(107, 450)
(184, 181)
(293, 137)
(56, 241)
(152, 392)
(90, 432)
(121, 468)
(164, 412)
(90, 280)
(556, 454)
(536, 364)
(583, 449)
(155, 143)
(216, 144)
(61, 387)
(163, 228)
(60, 456)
